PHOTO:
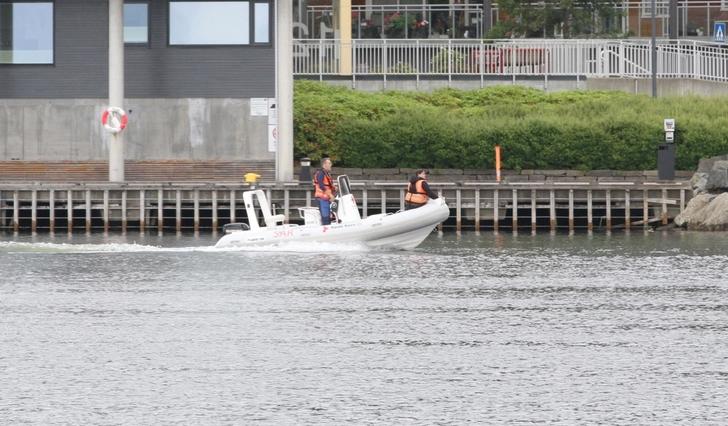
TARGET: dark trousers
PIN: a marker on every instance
(410, 206)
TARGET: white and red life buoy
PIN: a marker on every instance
(114, 119)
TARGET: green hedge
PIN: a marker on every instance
(458, 129)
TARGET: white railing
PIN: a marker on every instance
(518, 57)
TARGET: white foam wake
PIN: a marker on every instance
(287, 247)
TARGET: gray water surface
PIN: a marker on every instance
(602, 329)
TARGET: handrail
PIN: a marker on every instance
(514, 57)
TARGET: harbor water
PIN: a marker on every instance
(627, 328)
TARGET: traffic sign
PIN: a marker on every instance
(719, 29)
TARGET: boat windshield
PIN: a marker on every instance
(344, 185)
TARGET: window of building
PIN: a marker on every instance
(136, 22)
(661, 9)
(26, 32)
(262, 23)
(218, 22)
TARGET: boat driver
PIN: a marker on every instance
(324, 190)
(418, 190)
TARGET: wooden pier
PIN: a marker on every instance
(474, 205)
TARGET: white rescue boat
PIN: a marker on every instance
(402, 230)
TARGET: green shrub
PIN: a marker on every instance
(458, 129)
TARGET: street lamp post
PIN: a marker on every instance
(654, 50)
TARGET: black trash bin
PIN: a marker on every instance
(305, 175)
(666, 161)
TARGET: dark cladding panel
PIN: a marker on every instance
(156, 70)
(80, 66)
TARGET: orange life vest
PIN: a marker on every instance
(415, 193)
(328, 183)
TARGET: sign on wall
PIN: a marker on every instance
(258, 107)
(719, 29)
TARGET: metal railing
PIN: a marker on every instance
(515, 57)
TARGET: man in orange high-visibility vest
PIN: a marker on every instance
(418, 191)
(324, 190)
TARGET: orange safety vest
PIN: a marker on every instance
(418, 195)
(328, 183)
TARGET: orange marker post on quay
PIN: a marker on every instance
(497, 163)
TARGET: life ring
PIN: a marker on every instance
(114, 119)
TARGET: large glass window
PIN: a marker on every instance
(262, 23)
(136, 22)
(219, 22)
(26, 33)
(209, 22)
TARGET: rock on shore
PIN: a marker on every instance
(708, 209)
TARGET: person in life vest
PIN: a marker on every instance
(418, 191)
(324, 190)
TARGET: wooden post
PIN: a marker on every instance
(286, 205)
(308, 199)
(106, 210)
(682, 200)
(16, 211)
(142, 209)
(123, 211)
(196, 208)
(514, 211)
(178, 211)
(571, 210)
(160, 211)
(533, 211)
(589, 213)
(33, 211)
(384, 201)
(69, 211)
(439, 226)
(458, 210)
(552, 210)
(608, 204)
(88, 211)
(232, 206)
(645, 209)
(477, 210)
(664, 206)
(627, 212)
(52, 211)
(401, 199)
(214, 211)
(364, 200)
(496, 219)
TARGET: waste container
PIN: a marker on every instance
(666, 161)
(305, 175)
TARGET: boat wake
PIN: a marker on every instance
(284, 247)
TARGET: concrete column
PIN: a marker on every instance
(342, 14)
(284, 89)
(116, 85)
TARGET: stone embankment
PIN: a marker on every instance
(708, 209)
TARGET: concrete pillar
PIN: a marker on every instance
(116, 85)
(487, 12)
(284, 90)
(342, 27)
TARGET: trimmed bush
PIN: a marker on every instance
(458, 129)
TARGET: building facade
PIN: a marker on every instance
(193, 69)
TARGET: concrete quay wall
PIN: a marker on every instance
(665, 87)
(159, 129)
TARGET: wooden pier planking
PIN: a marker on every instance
(474, 205)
